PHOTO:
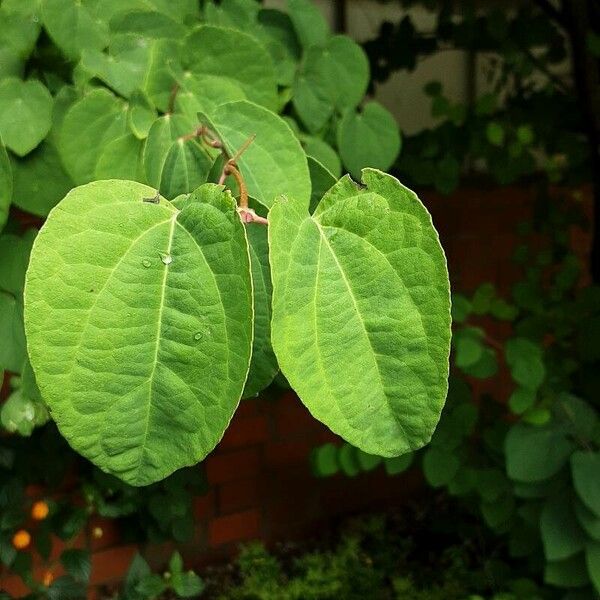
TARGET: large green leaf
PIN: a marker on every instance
(40, 181)
(74, 27)
(361, 312)
(139, 324)
(369, 138)
(235, 55)
(334, 76)
(89, 124)
(121, 158)
(534, 454)
(263, 367)
(25, 114)
(585, 466)
(321, 180)
(6, 185)
(274, 163)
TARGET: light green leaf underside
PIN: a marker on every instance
(361, 312)
(274, 163)
(138, 320)
(263, 366)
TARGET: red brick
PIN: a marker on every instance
(284, 454)
(111, 565)
(292, 417)
(245, 432)
(237, 464)
(110, 533)
(238, 527)
(204, 506)
(238, 495)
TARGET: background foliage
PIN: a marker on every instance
(84, 87)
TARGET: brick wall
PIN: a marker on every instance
(259, 475)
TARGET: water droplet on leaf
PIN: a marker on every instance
(166, 258)
(146, 263)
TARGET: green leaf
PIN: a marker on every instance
(138, 569)
(361, 312)
(280, 38)
(266, 172)
(310, 25)
(469, 346)
(141, 115)
(151, 586)
(368, 139)
(73, 27)
(173, 164)
(138, 319)
(561, 534)
(534, 454)
(485, 367)
(121, 158)
(348, 460)
(320, 150)
(122, 70)
(40, 180)
(89, 124)
(6, 185)
(321, 180)
(526, 364)
(439, 466)
(521, 400)
(324, 460)
(203, 93)
(461, 308)
(188, 585)
(495, 133)
(77, 563)
(18, 414)
(333, 76)
(585, 467)
(19, 32)
(588, 520)
(366, 461)
(569, 573)
(146, 23)
(263, 366)
(25, 114)
(66, 588)
(234, 55)
(398, 464)
(592, 559)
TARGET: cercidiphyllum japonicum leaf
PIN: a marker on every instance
(310, 25)
(6, 185)
(14, 251)
(203, 93)
(274, 163)
(40, 181)
(139, 324)
(361, 312)
(333, 76)
(263, 366)
(173, 164)
(89, 124)
(369, 138)
(234, 55)
(321, 179)
(25, 114)
(74, 27)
